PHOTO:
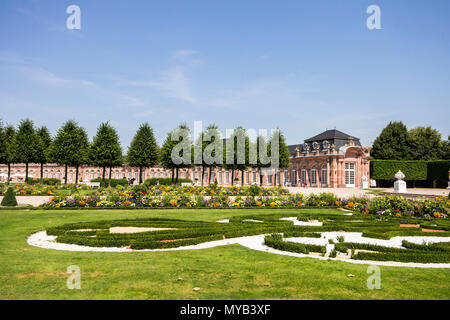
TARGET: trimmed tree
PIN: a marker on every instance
(262, 160)
(43, 148)
(173, 151)
(143, 150)
(26, 145)
(105, 150)
(284, 157)
(9, 156)
(236, 152)
(70, 147)
(9, 200)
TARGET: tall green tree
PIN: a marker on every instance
(45, 142)
(236, 152)
(283, 156)
(176, 151)
(392, 143)
(446, 149)
(70, 147)
(105, 150)
(425, 144)
(8, 156)
(262, 158)
(208, 151)
(26, 145)
(143, 151)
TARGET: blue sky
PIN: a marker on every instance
(302, 66)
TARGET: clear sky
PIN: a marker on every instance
(301, 65)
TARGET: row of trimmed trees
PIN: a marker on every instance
(70, 147)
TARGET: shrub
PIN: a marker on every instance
(47, 181)
(114, 182)
(9, 200)
(165, 181)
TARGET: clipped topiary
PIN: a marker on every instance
(9, 200)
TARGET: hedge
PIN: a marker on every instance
(386, 169)
(114, 182)
(414, 170)
(165, 181)
(47, 181)
(438, 170)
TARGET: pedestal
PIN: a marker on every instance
(400, 186)
(364, 185)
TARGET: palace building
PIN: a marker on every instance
(331, 159)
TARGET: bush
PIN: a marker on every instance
(47, 181)
(165, 181)
(9, 200)
(114, 182)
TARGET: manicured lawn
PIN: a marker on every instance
(230, 272)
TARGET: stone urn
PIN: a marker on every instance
(400, 185)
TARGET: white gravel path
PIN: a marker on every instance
(42, 240)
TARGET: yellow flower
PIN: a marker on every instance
(350, 204)
(98, 204)
(173, 203)
(81, 203)
(258, 203)
(188, 204)
(126, 203)
(273, 204)
(235, 204)
(338, 203)
(437, 215)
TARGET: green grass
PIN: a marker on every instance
(229, 272)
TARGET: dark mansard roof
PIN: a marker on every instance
(336, 137)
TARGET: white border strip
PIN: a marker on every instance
(42, 240)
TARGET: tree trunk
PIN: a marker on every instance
(26, 172)
(232, 177)
(203, 174)
(173, 175)
(9, 172)
(140, 175)
(176, 181)
(42, 173)
(76, 174)
(110, 176)
(260, 176)
(103, 174)
(242, 177)
(65, 174)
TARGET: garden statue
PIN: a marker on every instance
(297, 151)
(364, 183)
(400, 185)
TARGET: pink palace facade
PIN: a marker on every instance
(331, 159)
